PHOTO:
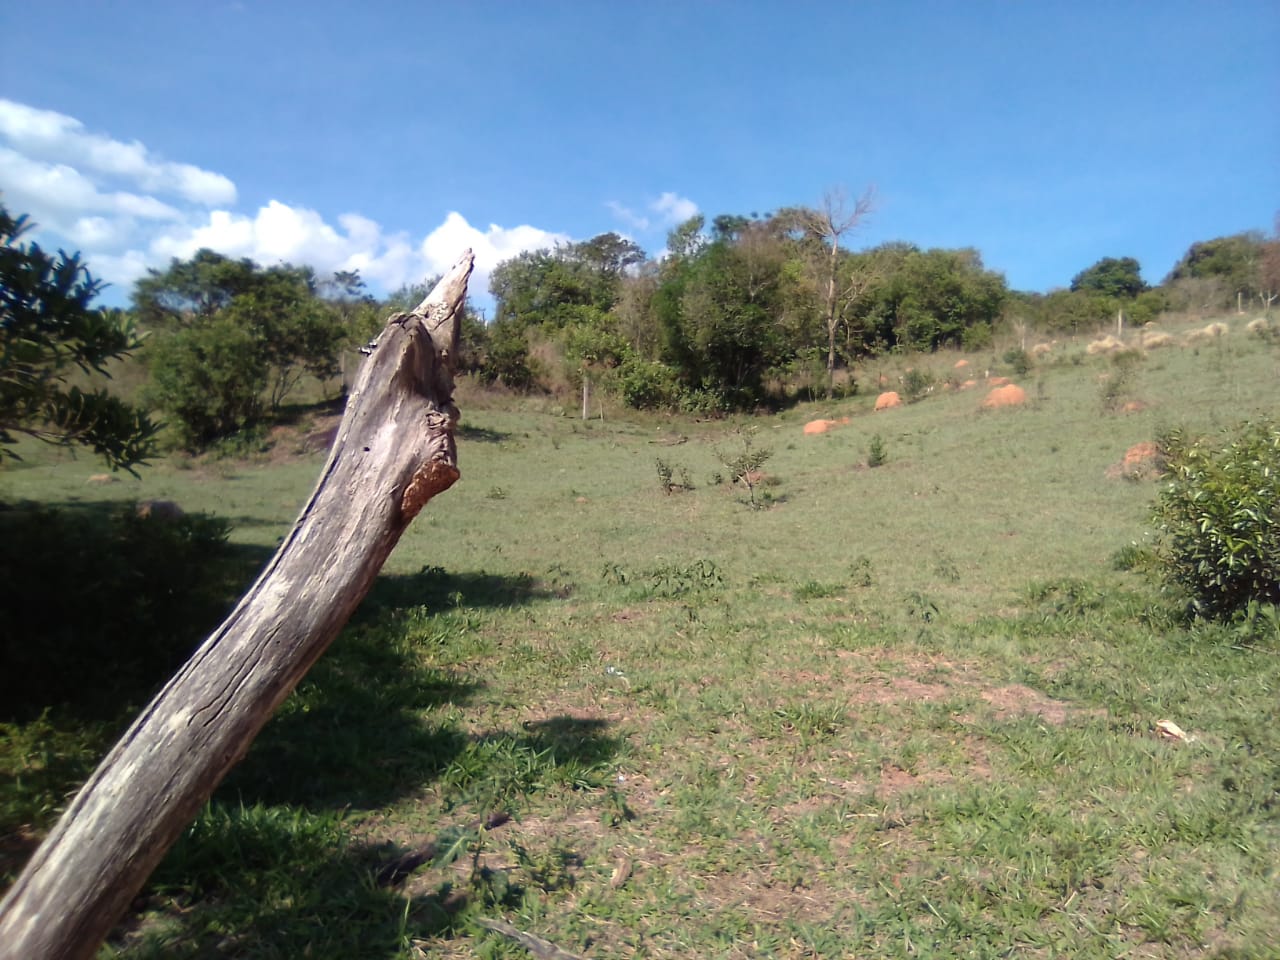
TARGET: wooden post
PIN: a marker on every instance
(394, 451)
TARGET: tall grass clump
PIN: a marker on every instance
(1219, 518)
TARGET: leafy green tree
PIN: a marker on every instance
(934, 298)
(298, 333)
(1147, 305)
(609, 255)
(723, 334)
(207, 310)
(1112, 277)
(571, 283)
(192, 290)
(686, 240)
(49, 332)
(1232, 261)
(211, 377)
(1068, 311)
(564, 294)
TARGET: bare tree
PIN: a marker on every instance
(827, 225)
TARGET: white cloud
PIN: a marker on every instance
(279, 232)
(670, 209)
(50, 136)
(674, 208)
(628, 216)
(120, 270)
(59, 198)
(442, 247)
(126, 211)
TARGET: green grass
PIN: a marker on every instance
(901, 712)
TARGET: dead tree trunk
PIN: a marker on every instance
(394, 451)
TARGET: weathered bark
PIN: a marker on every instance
(394, 451)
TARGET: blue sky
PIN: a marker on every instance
(389, 136)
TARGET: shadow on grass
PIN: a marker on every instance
(257, 880)
(481, 434)
(247, 521)
(437, 590)
(265, 882)
(99, 607)
(355, 732)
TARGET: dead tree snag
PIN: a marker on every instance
(394, 451)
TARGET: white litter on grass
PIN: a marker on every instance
(1171, 731)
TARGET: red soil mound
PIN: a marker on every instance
(1010, 395)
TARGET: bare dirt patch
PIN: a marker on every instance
(879, 678)
(1016, 700)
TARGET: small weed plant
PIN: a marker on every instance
(1219, 518)
(1116, 387)
(667, 477)
(744, 464)
(876, 455)
(668, 579)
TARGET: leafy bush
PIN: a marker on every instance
(508, 361)
(702, 403)
(876, 455)
(745, 465)
(915, 384)
(1018, 361)
(647, 385)
(210, 378)
(676, 580)
(48, 332)
(1219, 518)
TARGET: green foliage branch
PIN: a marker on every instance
(1219, 518)
(745, 462)
(50, 333)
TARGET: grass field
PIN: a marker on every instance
(908, 711)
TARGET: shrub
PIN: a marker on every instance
(745, 464)
(915, 384)
(666, 477)
(1116, 386)
(1219, 519)
(876, 455)
(647, 385)
(210, 378)
(1018, 360)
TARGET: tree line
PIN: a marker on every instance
(742, 310)
(738, 312)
